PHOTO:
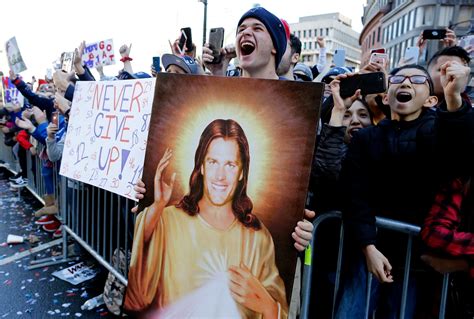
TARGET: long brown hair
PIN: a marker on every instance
(241, 204)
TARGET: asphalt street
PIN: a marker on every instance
(37, 293)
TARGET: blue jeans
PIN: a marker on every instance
(385, 299)
(47, 173)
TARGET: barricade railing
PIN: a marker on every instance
(101, 222)
(382, 223)
(98, 220)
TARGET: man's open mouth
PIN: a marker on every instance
(247, 48)
(403, 97)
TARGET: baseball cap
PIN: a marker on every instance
(184, 62)
(335, 72)
(303, 72)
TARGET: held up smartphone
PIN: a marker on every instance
(339, 57)
(431, 34)
(380, 58)
(156, 63)
(411, 55)
(380, 50)
(186, 40)
(67, 60)
(55, 118)
(368, 83)
(216, 41)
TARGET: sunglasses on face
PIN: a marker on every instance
(414, 79)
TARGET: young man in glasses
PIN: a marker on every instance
(393, 170)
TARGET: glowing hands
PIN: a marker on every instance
(248, 291)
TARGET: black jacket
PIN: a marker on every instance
(395, 168)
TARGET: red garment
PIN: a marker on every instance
(24, 139)
(440, 228)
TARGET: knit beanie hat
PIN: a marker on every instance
(274, 26)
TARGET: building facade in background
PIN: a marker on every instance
(397, 24)
(338, 33)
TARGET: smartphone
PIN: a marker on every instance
(431, 34)
(216, 41)
(380, 58)
(368, 83)
(380, 50)
(55, 118)
(185, 40)
(411, 55)
(156, 63)
(67, 60)
(339, 58)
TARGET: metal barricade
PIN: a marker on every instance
(96, 219)
(6, 155)
(383, 223)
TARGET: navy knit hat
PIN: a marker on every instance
(274, 26)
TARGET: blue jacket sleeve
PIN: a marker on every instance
(40, 133)
(44, 103)
(87, 76)
(69, 94)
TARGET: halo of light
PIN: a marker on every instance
(259, 142)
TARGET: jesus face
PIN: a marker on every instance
(222, 171)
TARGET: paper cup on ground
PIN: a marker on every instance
(14, 239)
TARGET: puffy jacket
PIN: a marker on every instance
(394, 169)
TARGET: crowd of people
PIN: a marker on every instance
(405, 154)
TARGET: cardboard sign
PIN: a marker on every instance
(11, 96)
(15, 61)
(77, 273)
(107, 134)
(241, 148)
(67, 61)
(99, 53)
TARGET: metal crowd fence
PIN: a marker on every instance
(98, 220)
(101, 222)
(382, 223)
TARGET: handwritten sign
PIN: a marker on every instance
(15, 61)
(67, 60)
(107, 134)
(99, 53)
(11, 96)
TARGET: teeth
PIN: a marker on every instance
(219, 187)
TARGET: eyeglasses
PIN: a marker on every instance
(414, 79)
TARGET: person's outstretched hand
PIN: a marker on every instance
(227, 54)
(163, 190)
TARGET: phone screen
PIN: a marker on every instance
(182, 41)
(434, 34)
(185, 40)
(55, 118)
